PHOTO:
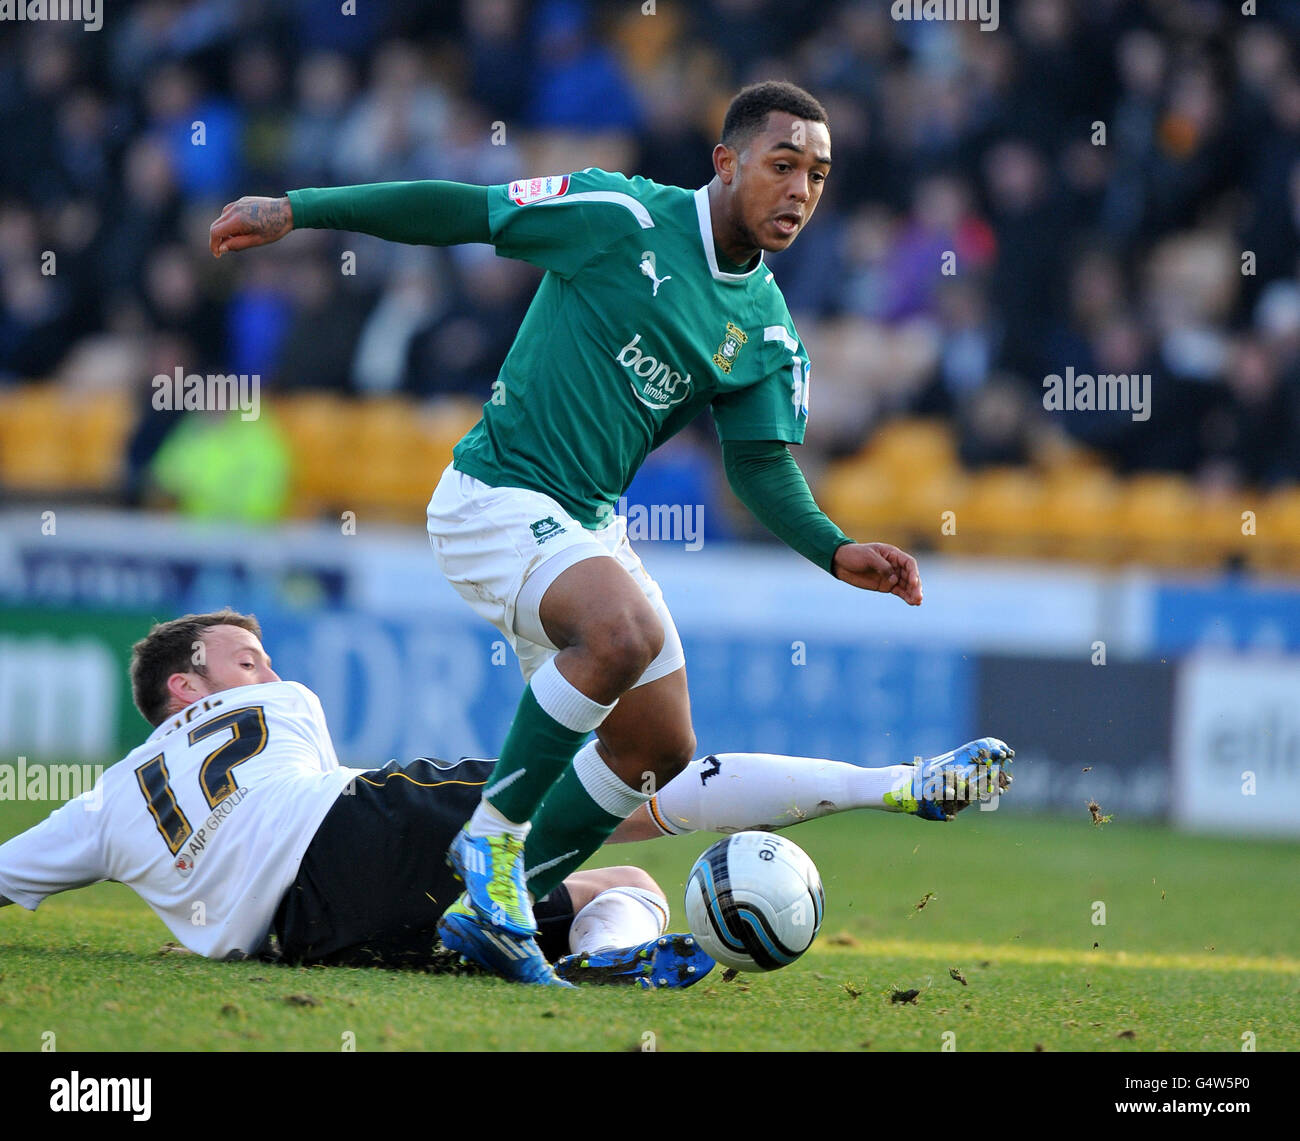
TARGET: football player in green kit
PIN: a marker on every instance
(655, 305)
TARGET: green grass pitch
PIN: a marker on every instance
(1199, 947)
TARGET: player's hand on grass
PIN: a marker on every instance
(250, 222)
(879, 566)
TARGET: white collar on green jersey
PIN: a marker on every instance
(706, 238)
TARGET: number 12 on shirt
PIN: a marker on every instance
(215, 779)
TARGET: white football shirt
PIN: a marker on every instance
(207, 821)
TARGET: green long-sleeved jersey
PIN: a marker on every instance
(635, 329)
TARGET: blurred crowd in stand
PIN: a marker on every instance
(1111, 186)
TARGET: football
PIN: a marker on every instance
(754, 901)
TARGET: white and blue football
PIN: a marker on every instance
(754, 901)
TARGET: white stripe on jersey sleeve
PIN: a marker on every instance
(782, 334)
(614, 197)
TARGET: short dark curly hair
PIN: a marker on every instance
(169, 648)
(748, 111)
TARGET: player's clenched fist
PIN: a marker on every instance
(250, 222)
(879, 566)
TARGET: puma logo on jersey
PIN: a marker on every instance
(707, 772)
(648, 268)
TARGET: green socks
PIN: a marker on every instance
(552, 720)
(572, 807)
(586, 804)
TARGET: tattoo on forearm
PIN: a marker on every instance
(268, 219)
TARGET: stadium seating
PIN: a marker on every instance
(1275, 546)
(900, 485)
(383, 457)
(316, 425)
(1080, 511)
(1003, 514)
(1159, 521)
(59, 441)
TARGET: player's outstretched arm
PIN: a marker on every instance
(250, 222)
(766, 479)
(429, 213)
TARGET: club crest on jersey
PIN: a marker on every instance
(730, 348)
(528, 190)
(184, 864)
(545, 529)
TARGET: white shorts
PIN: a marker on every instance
(502, 547)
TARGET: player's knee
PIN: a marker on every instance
(626, 646)
(629, 876)
(625, 875)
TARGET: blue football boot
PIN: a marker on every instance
(516, 958)
(669, 961)
(942, 786)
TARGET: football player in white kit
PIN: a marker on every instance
(237, 825)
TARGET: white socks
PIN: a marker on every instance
(562, 701)
(618, 917)
(487, 821)
(730, 792)
(603, 786)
